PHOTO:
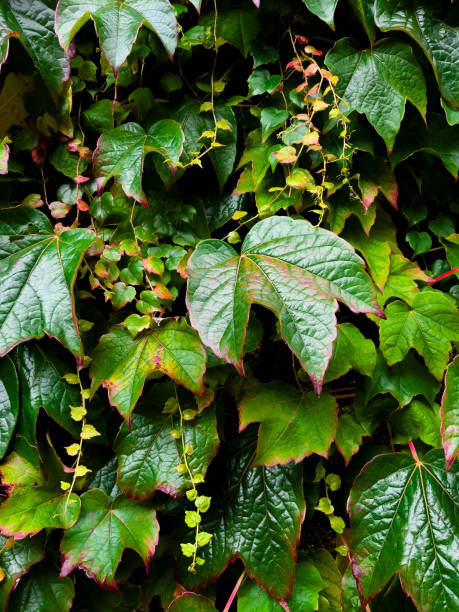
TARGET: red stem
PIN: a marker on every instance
(442, 276)
(234, 592)
(413, 451)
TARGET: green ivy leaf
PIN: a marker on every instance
(417, 420)
(401, 281)
(97, 541)
(376, 175)
(261, 510)
(452, 115)
(122, 363)
(295, 269)
(403, 381)
(191, 602)
(418, 498)
(271, 119)
(438, 138)
(148, 454)
(351, 350)
(324, 9)
(238, 25)
(439, 41)
(29, 509)
(330, 595)
(9, 402)
(45, 266)
(42, 386)
(117, 23)
(260, 82)
(304, 598)
(364, 11)
(349, 436)
(293, 426)
(429, 326)
(43, 590)
(120, 153)
(16, 558)
(33, 24)
(377, 82)
(449, 413)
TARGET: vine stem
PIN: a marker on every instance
(442, 276)
(234, 592)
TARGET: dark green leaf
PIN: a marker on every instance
(364, 11)
(33, 23)
(416, 533)
(351, 350)
(16, 558)
(291, 267)
(148, 454)
(325, 9)
(378, 82)
(97, 541)
(43, 590)
(348, 436)
(9, 402)
(191, 602)
(37, 272)
(258, 520)
(293, 426)
(239, 26)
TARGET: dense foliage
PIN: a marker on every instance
(229, 279)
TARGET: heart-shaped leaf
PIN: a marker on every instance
(117, 23)
(122, 363)
(377, 82)
(120, 153)
(37, 272)
(258, 520)
(33, 24)
(293, 426)
(291, 267)
(404, 515)
(97, 541)
(450, 413)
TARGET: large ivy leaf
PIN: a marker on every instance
(42, 386)
(450, 413)
(9, 402)
(122, 363)
(437, 138)
(239, 25)
(257, 518)
(291, 267)
(33, 24)
(97, 541)
(293, 426)
(29, 509)
(148, 454)
(117, 23)
(404, 515)
(364, 11)
(428, 326)
(43, 590)
(37, 272)
(15, 560)
(439, 41)
(120, 153)
(304, 597)
(325, 9)
(377, 82)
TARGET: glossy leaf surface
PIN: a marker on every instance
(439, 41)
(378, 82)
(171, 347)
(450, 413)
(16, 558)
(97, 541)
(33, 23)
(404, 518)
(148, 454)
(293, 426)
(43, 590)
(428, 326)
(258, 521)
(325, 9)
(117, 23)
(120, 153)
(9, 402)
(292, 268)
(37, 272)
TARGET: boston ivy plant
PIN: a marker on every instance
(229, 274)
